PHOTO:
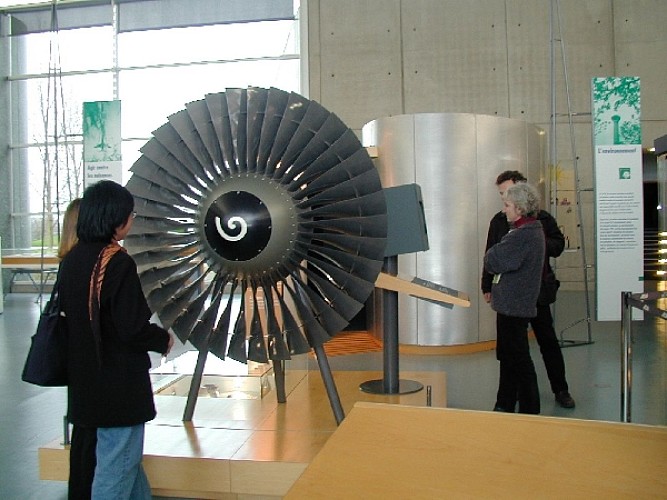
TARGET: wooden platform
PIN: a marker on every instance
(242, 449)
(388, 451)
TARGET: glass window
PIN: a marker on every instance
(149, 96)
(69, 175)
(159, 72)
(207, 43)
(81, 49)
(70, 93)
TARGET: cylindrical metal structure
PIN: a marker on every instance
(455, 158)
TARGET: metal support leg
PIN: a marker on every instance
(66, 435)
(195, 384)
(626, 358)
(329, 384)
(279, 377)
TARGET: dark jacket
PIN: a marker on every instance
(118, 393)
(517, 262)
(499, 227)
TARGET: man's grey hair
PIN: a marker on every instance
(525, 198)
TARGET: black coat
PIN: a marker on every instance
(118, 392)
(499, 227)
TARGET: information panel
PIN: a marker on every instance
(619, 223)
(102, 142)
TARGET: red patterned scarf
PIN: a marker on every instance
(95, 292)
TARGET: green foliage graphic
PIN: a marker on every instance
(617, 110)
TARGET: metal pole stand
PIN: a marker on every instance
(626, 357)
(390, 383)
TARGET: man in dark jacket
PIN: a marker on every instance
(542, 324)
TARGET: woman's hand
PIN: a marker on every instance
(170, 344)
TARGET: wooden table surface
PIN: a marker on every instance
(388, 451)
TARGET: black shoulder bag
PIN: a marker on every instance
(548, 289)
(46, 364)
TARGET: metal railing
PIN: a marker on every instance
(641, 302)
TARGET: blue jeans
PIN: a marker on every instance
(119, 474)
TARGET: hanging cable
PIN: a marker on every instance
(53, 113)
(557, 36)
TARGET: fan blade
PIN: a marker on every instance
(315, 331)
(170, 289)
(311, 122)
(150, 257)
(256, 347)
(314, 180)
(146, 241)
(203, 122)
(185, 322)
(238, 118)
(362, 267)
(177, 303)
(168, 136)
(155, 192)
(327, 134)
(297, 342)
(345, 305)
(273, 115)
(160, 225)
(356, 287)
(341, 189)
(256, 108)
(150, 208)
(202, 331)
(191, 140)
(294, 112)
(237, 343)
(218, 341)
(160, 155)
(356, 245)
(374, 226)
(146, 169)
(153, 276)
(368, 204)
(217, 108)
(277, 347)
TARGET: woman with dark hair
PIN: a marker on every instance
(110, 335)
(516, 264)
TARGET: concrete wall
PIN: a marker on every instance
(368, 59)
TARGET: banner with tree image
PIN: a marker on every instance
(619, 221)
(102, 142)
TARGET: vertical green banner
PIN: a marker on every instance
(102, 142)
(619, 210)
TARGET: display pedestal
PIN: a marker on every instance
(390, 382)
(243, 448)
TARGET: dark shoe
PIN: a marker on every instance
(501, 409)
(564, 399)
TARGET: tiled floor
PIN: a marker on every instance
(32, 416)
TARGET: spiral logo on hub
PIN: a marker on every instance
(238, 226)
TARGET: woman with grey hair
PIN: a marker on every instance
(516, 264)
